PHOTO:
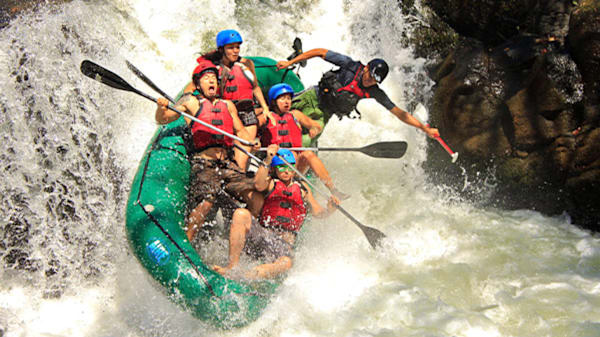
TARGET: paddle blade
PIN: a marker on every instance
(374, 236)
(298, 50)
(100, 74)
(385, 149)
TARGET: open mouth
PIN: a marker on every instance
(211, 90)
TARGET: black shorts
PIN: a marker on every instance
(245, 108)
(265, 243)
(209, 178)
(248, 117)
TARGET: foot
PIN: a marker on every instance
(339, 194)
(221, 270)
(257, 273)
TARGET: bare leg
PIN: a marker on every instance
(270, 270)
(196, 219)
(240, 157)
(240, 225)
(309, 158)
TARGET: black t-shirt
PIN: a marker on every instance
(348, 68)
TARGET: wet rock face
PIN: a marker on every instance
(10, 8)
(524, 111)
(493, 21)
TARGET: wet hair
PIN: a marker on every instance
(215, 56)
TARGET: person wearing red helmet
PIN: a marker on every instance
(212, 170)
(238, 83)
(339, 91)
(271, 238)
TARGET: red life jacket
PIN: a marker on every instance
(236, 82)
(353, 86)
(285, 133)
(216, 114)
(284, 207)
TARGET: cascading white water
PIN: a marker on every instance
(70, 145)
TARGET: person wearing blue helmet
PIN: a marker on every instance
(287, 132)
(271, 238)
(237, 83)
(340, 90)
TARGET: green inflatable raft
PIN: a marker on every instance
(156, 216)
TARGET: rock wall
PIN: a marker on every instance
(518, 98)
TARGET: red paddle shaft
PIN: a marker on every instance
(452, 154)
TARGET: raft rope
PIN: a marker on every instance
(155, 146)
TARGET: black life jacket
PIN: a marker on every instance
(340, 99)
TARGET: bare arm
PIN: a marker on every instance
(321, 52)
(314, 127)
(410, 120)
(262, 181)
(257, 92)
(164, 115)
(317, 210)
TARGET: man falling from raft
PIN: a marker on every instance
(339, 91)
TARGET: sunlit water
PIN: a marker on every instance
(70, 146)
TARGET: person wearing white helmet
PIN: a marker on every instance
(339, 91)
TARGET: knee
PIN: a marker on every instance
(242, 214)
(308, 155)
(241, 218)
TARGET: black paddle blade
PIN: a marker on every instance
(100, 74)
(374, 236)
(298, 50)
(385, 149)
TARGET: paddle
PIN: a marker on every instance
(297, 46)
(100, 74)
(143, 77)
(419, 114)
(374, 236)
(377, 150)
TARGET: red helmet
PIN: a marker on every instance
(204, 67)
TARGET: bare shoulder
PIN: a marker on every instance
(230, 106)
(247, 61)
(189, 102)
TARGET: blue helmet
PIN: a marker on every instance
(286, 154)
(228, 36)
(278, 90)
